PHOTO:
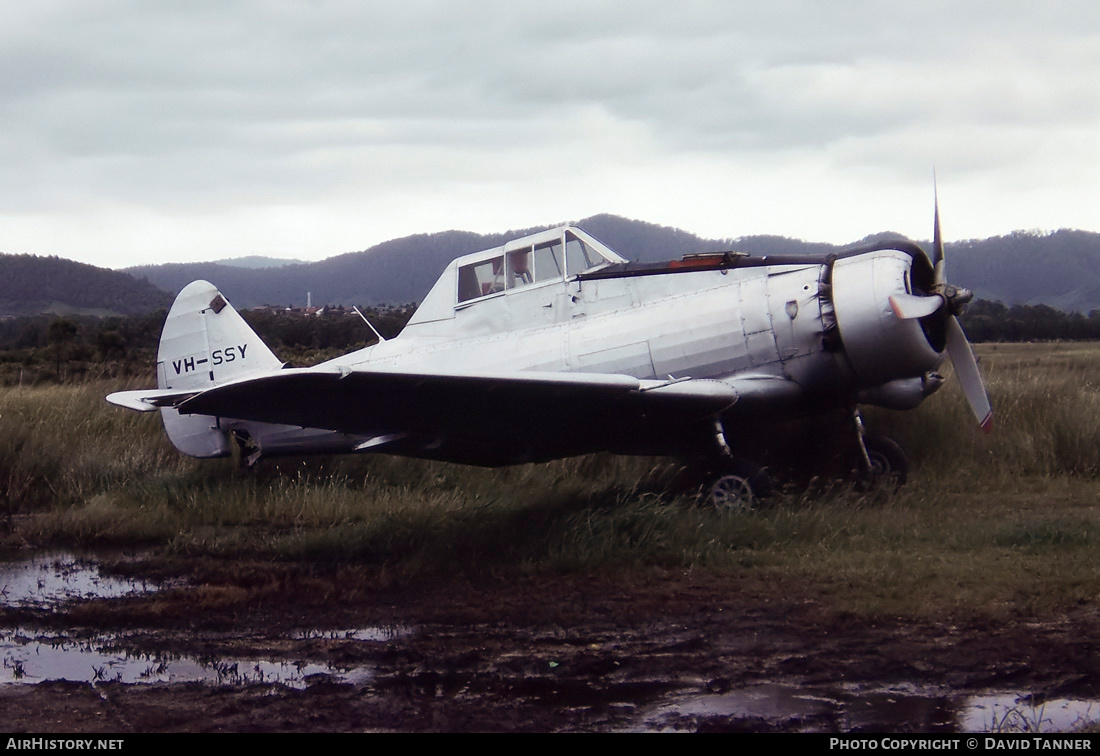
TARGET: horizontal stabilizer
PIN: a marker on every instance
(147, 400)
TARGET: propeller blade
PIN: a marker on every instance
(966, 368)
(911, 306)
(939, 261)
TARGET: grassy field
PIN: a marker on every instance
(1001, 524)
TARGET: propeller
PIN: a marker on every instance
(949, 301)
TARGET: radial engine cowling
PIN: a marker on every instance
(882, 348)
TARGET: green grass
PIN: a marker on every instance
(1002, 524)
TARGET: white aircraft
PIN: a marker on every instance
(553, 346)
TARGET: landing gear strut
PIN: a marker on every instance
(734, 484)
(878, 462)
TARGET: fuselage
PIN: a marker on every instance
(706, 324)
(824, 325)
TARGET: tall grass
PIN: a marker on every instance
(1046, 403)
(61, 444)
(1007, 522)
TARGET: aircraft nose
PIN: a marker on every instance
(880, 321)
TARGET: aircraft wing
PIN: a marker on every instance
(515, 415)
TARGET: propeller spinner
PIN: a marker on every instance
(943, 303)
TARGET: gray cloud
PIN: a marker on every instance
(213, 111)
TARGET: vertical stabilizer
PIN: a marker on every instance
(205, 342)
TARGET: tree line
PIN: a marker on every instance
(984, 320)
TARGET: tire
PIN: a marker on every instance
(889, 467)
(737, 486)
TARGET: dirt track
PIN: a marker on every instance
(674, 651)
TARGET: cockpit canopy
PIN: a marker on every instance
(533, 263)
(550, 256)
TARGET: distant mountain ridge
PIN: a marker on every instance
(1061, 269)
(402, 270)
(258, 262)
(30, 285)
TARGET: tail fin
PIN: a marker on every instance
(205, 342)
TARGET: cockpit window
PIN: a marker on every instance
(519, 268)
(478, 279)
(548, 261)
(579, 256)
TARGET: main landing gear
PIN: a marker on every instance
(878, 463)
(733, 484)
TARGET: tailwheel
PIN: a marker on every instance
(737, 485)
(883, 468)
(248, 451)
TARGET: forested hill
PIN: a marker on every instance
(30, 285)
(1060, 269)
(402, 270)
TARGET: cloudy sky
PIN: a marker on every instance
(136, 131)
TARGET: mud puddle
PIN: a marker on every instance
(32, 658)
(48, 579)
(792, 708)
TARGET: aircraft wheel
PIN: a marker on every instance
(889, 467)
(738, 487)
(248, 453)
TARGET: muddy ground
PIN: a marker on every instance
(662, 651)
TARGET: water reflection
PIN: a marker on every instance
(28, 656)
(380, 633)
(823, 709)
(34, 657)
(47, 579)
(1014, 713)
